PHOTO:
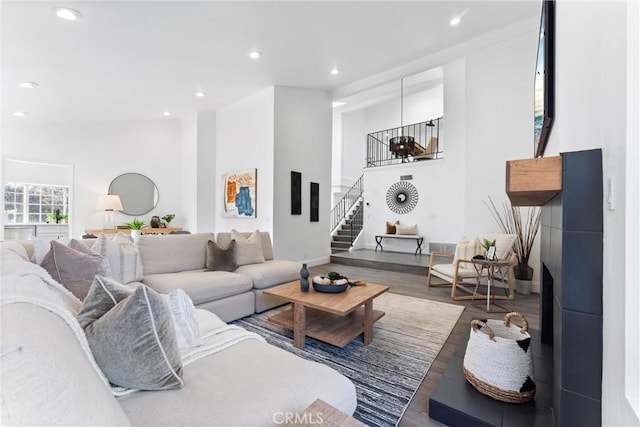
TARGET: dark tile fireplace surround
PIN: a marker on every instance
(568, 347)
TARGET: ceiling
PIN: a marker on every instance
(134, 60)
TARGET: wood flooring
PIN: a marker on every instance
(417, 414)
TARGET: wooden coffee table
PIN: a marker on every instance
(332, 318)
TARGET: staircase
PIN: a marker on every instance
(348, 231)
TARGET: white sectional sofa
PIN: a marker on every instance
(178, 261)
(50, 375)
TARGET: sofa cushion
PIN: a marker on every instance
(47, 378)
(248, 250)
(298, 383)
(466, 271)
(224, 237)
(201, 286)
(271, 273)
(74, 267)
(221, 258)
(15, 249)
(135, 345)
(124, 259)
(173, 253)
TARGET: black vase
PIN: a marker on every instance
(155, 222)
(304, 278)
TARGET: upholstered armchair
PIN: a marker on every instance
(461, 274)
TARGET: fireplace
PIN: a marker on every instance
(568, 347)
(571, 289)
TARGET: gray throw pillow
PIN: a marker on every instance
(134, 343)
(74, 268)
(104, 294)
(221, 259)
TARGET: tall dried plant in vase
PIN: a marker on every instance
(510, 221)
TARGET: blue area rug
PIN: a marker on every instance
(387, 372)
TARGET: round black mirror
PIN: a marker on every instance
(138, 194)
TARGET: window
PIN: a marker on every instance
(31, 203)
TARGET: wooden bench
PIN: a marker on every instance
(418, 239)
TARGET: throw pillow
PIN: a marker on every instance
(134, 343)
(247, 250)
(40, 248)
(123, 256)
(391, 227)
(184, 317)
(504, 244)
(221, 259)
(73, 268)
(103, 295)
(407, 229)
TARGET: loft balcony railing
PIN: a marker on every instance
(410, 143)
(342, 208)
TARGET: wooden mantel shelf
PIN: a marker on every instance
(533, 182)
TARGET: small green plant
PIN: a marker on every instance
(168, 218)
(332, 275)
(486, 244)
(56, 217)
(135, 224)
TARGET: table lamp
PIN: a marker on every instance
(110, 203)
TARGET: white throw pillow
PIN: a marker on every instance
(185, 320)
(466, 250)
(504, 244)
(40, 248)
(407, 229)
(123, 256)
(248, 250)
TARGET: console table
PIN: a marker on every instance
(418, 239)
(148, 230)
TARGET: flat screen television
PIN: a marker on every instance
(544, 79)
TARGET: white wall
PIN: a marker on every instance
(245, 140)
(206, 172)
(100, 151)
(591, 103)
(354, 146)
(488, 114)
(303, 123)
(189, 158)
(417, 107)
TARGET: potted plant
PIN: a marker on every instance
(57, 217)
(168, 218)
(135, 227)
(510, 220)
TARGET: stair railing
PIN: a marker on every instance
(356, 221)
(426, 143)
(342, 208)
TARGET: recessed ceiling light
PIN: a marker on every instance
(200, 94)
(20, 114)
(67, 13)
(166, 113)
(28, 85)
(335, 104)
(334, 71)
(455, 21)
(256, 54)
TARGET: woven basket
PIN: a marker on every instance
(498, 361)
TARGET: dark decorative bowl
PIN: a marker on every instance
(330, 289)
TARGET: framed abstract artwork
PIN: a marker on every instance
(240, 194)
